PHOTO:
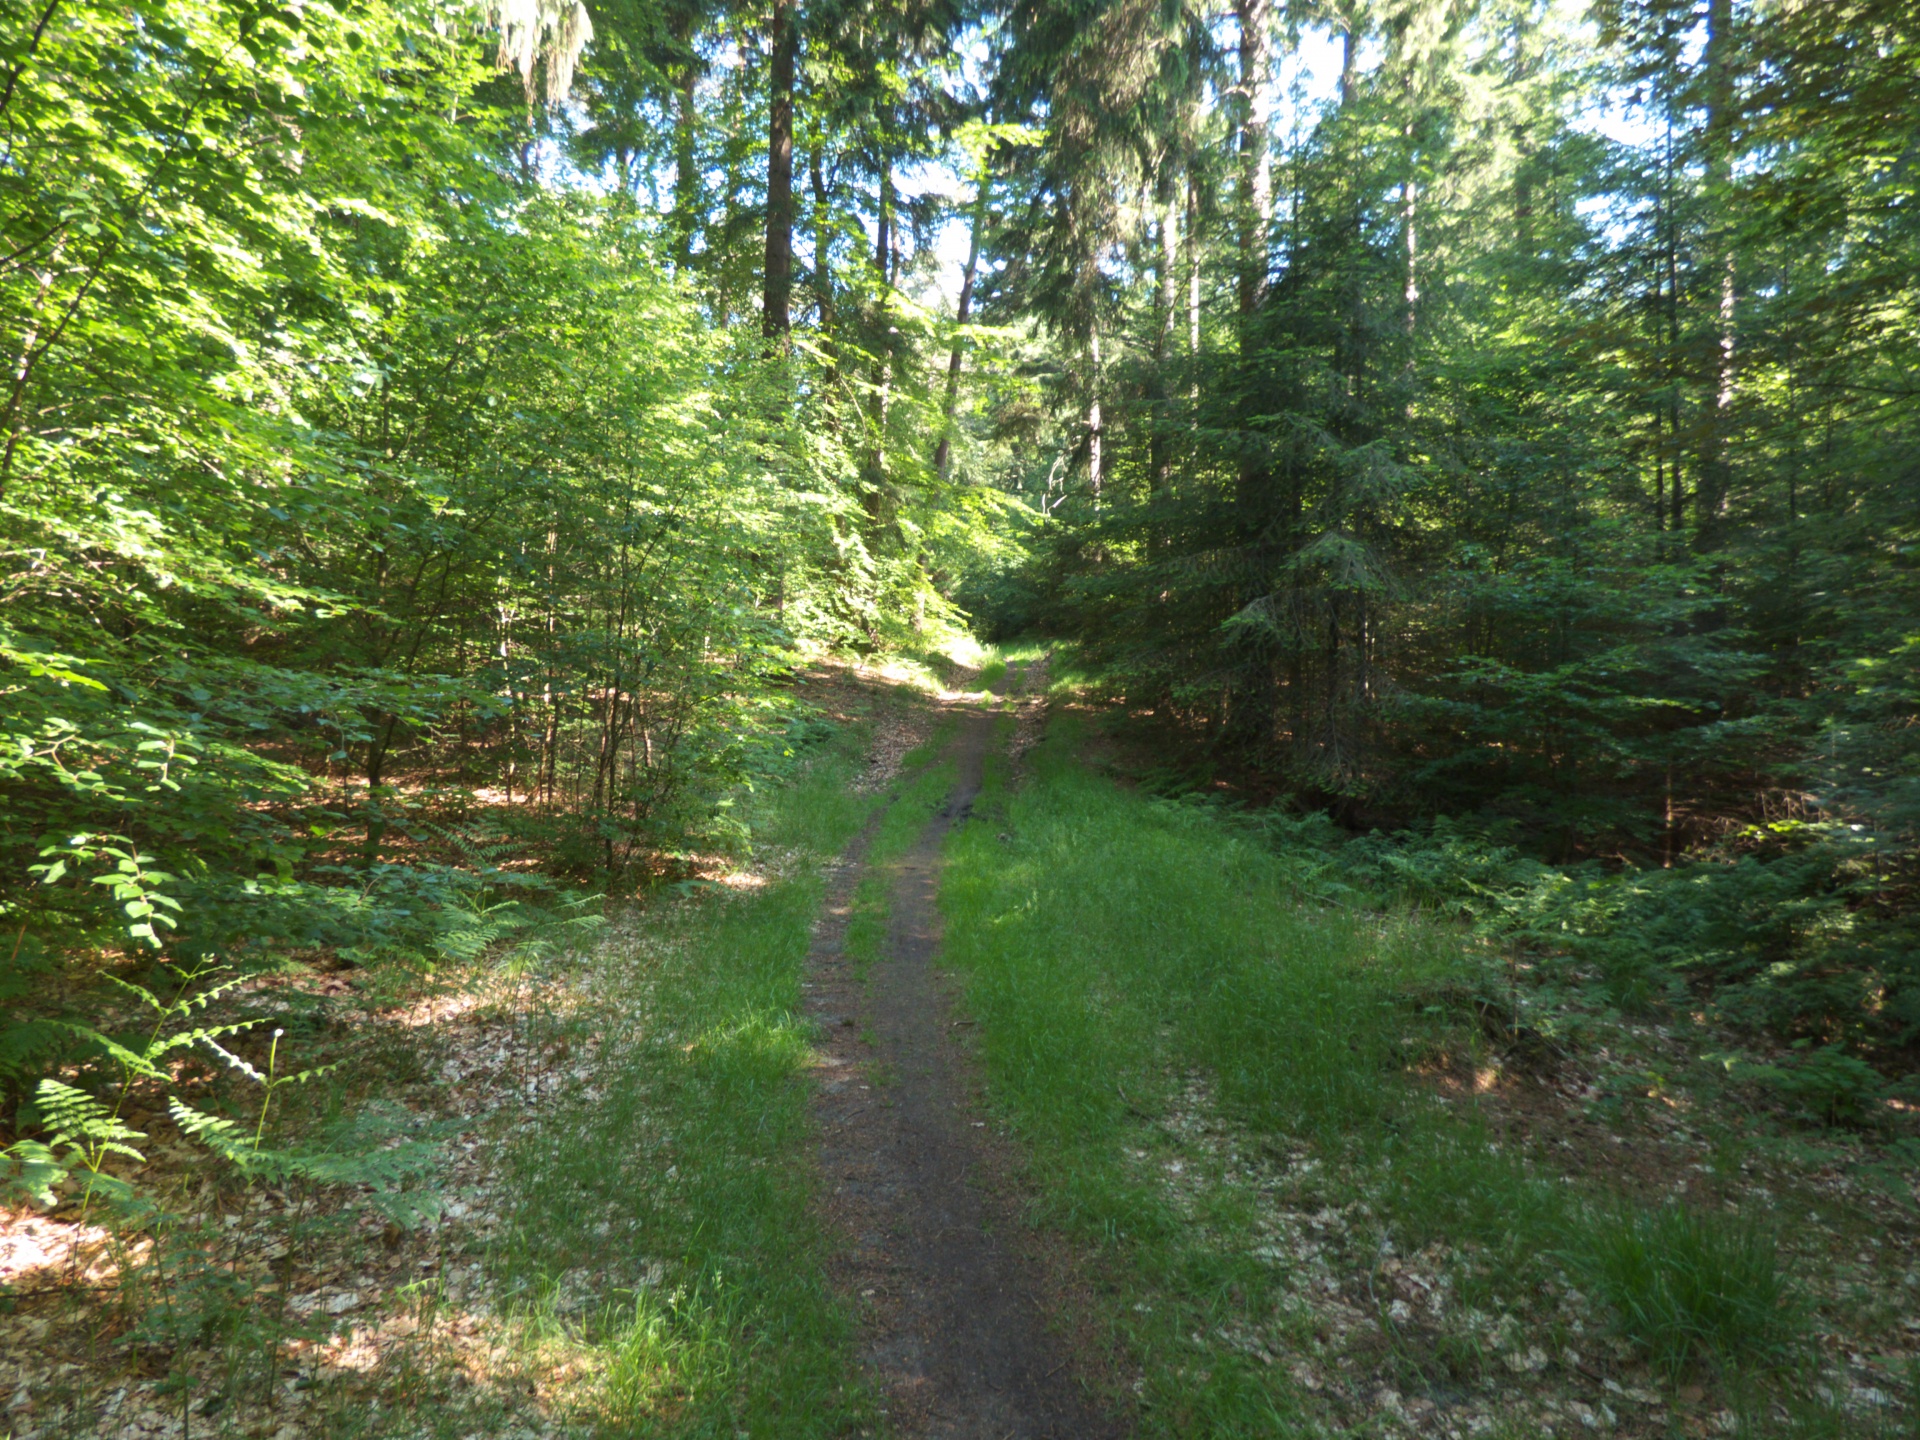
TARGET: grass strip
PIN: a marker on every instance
(663, 1226)
(923, 785)
(1139, 970)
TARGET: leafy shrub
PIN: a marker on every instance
(1831, 1083)
(1792, 938)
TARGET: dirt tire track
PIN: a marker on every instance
(954, 1325)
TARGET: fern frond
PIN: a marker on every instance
(203, 1034)
(83, 1125)
(368, 1151)
(30, 1169)
(222, 1136)
(234, 1061)
(132, 1060)
(198, 1000)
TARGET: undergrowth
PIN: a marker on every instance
(662, 1215)
(1782, 935)
(1141, 970)
(1690, 1288)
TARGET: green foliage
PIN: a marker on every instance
(1781, 937)
(85, 1134)
(709, 1307)
(136, 888)
(1547, 476)
(380, 1151)
(1690, 1287)
(391, 537)
(1138, 968)
(1831, 1083)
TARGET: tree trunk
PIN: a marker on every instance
(883, 380)
(1409, 223)
(1193, 283)
(686, 174)
(822, 243)
(1166, 282)
(376, 775)
(1519, 75)
(1095, 428)
(883, 225)
(943, 453)
(1710, 508)
(776, 317)
(1256, 168)
(1255, 230)
(1346, 58)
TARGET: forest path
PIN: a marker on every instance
(953, 1325)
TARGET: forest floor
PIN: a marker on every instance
(990, 1097)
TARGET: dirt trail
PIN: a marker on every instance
(954, 1323)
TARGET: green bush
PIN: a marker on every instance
(1791, 937)
(1831, 1083)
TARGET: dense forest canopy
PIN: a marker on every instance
(432, 432)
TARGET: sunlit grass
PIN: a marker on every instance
(918, 793)
(1121, 951)
(663, 1210)
(1024, 651)
(929, 662)
(1690, 1288)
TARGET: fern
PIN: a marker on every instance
(477, 927)
(30, 1169)
(371, 1149)
(86, 1134)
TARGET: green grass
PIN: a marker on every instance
(674, 1192)
(915, 795)
(1137, 967)
(1690, 1288)
(1023, 651)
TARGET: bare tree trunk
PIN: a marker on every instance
(1346, 57)
(1256, 162)
(1520, 73)
(1166, 281)
(943, 452)
(1095, 429)
(1710, 509)
(1255, 217)
(883, 381)
(883, 225)
(1193, 287)
(686, 175)
(776, 317)
(1409, 224)
(1670, 368)
(550, 741)
(822, 243)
